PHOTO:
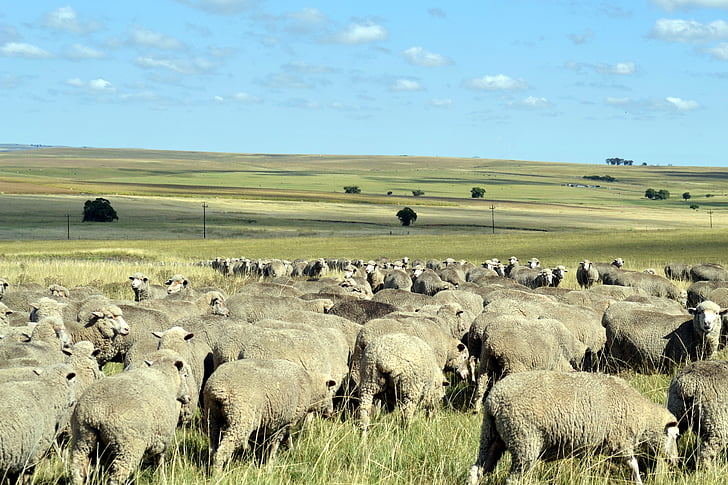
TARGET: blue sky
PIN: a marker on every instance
(550, 80)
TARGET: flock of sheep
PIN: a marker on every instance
(330, 336)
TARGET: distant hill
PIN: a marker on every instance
(14, 147)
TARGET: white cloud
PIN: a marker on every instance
(496, 83)
(246, 98)
(678, 30)
(78, 51)
(420, 57)
(623, 68)
(441, 102)
(534, 102)
(361, 33)
(148, 38)
(305, 68)
(675, 4)
(683, 104)
(306, 20)
(21, 49)
(220, 7)
(406, 85)
(719, 52)
(65, 18)
(182, 66)
(617, 101)
(96, 86)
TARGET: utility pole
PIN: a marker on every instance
(68, 226)
(710, 213)
(492, 217)
(204, 222)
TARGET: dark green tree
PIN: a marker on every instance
(650, 193)
(663, 194)
(686, 195)
(477, 192)
(694, 207)
(99, 210)
(406, 216)
(352, 189)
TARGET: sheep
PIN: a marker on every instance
(361, 311)
(469, 301)
(587, 274)
(5, 313)
(654, 285)
(104, 420)
(698, 398)
(404, 300)
(677, 271)
(652, 341)
(99, 322)
(252, 308)
(606, 270)
(209, 302)
(268, 288)
(511, 344)
(555, 414)
(708, 272)
(375, 276)
(451, 274)
(481, 274)
(559, 271)
(276, 268)
(534, 278)
(44, 346)
(143, 290)
(700, 290)
(3, 287)
(259, 399)
(397, 279)
(178, 286)
(404, 365)
(59, 291)
(316, 269)
(428, 283)
(32, 412)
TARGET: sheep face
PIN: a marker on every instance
(665, 443)
(176, 284)
(707, 317)
(138, 280)
(458, 361)
(110, 322)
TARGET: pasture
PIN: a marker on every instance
(290, 206)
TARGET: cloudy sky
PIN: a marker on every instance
(550, 80)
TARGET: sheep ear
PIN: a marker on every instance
(723, 311)
(445, 383)
(96, 352)
(461, 347)
(67, 350)
(158, 334)
(330, 384)
(98, 314)
(189, 336)
(692, 310)
(179, 364)
(148, 362)
(70, 376)
(38, 371)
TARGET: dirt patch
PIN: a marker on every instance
(8, 187)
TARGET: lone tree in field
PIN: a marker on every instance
(99, 210)
(352, 189)
(406, 216)
(418, 192)
(686, 195)
(477, 192)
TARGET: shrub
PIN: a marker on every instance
(99, 210)
(406, 216)
(418, 192)
(352, 189)
(477, 192)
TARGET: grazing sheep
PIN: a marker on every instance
(653, 284)
(698, 397)
(59, 291)
(559, 271)
(361, 311)
(143, 290)
(104, 420)
(469, 301)
(316, 269)
(276, 268)
(428, 283)
(397, 279)
(403, 300)
(708, 272)
(179, 286)
(606, 270)
(587, 274)
(553, 414)
(511, 344)
(33, 412)
(648, 340)
(209, 302)
(44, 346)
(46, 307)
(404, 366)
(269, 288)
(700, 290)
(254, 308)
(259, 400)
(677, 271)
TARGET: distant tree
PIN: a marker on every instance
(389, 192)
(650, 193)
(418, 192)
(352, 189)
(99, 210)
(663, 194)
(477, 192)
(406, 216)
(694, 206)
(686, 195)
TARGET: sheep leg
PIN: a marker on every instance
(235, 436)
(365, 408)
(708, 450)
(634, 466)
(84, 441)
(126, 460)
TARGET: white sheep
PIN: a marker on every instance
(129, 414)
(698, 397)
(143, 289)
(260, 400)
(587, 274)
(557, 414)
(405, 365)
(32, 413)
(648, 339)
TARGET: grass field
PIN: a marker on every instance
(293, 206)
